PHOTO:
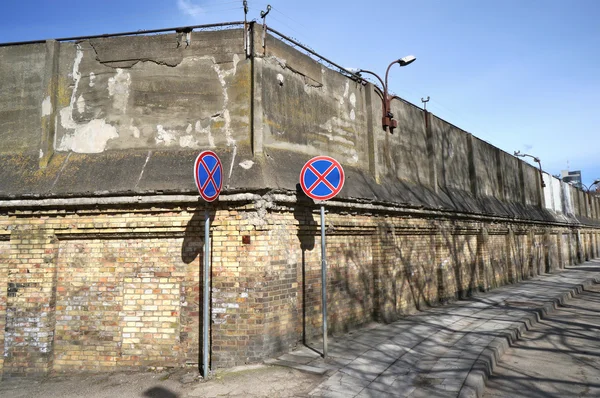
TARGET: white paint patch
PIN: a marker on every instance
(353, 156)
(80, 104)
(199, 129)
(346, 89)
(247, 164)
(88, 137)
(280, 78)
(341, 128)
(166, 137)
(282, 62)
(118, 88)
(352, 115)
(338, 139)
(92, 79)
(188, 141)
(353, 99)
(232, 160)
(135, 130)
(225, 113)
(46, 106)
(189, 128)
(236, 60)
(41, 154)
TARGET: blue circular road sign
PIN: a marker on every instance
(208, 173)
(322, 178)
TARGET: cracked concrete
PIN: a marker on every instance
(150, 85)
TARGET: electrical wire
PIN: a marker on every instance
(290, 18)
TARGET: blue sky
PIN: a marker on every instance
(520, 74)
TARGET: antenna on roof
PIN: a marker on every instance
(246, 35)
(263, 15)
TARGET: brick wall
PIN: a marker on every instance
(119, 304)
(4, 256)
(121, 287)
(31, 295)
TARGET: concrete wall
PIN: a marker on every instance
(129, 114)
(101, 237)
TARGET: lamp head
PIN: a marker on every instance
(356, 71)
(406, 60)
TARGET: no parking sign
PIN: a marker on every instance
(208, 172)
(322, 178)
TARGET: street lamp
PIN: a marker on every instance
(588, 188)
(537, 160)
(387, 119)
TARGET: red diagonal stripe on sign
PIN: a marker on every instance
(321, 177)
(210, 175)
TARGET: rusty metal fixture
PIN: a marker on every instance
(387, 117)
(535, 159)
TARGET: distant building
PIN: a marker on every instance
(572, 177)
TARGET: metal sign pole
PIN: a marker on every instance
(322, 178)
(206, 318)
(324, 281)
(208, 174)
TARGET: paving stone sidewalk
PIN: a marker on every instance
(448, 351)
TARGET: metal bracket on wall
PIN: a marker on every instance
(188, 36)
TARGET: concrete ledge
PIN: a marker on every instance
(486, 363)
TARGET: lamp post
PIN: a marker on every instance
(588, 188)
(535, 159)
(387, 118)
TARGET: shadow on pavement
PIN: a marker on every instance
(159, 392)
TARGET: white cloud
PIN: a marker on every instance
(189, 8)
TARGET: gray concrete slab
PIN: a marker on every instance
(447, 351)
(560, 357)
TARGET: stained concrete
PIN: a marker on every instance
(127, 115)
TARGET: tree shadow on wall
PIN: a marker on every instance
(192, 252)
(407, 273)
(354, 279)
(307, 231)
(463, 253)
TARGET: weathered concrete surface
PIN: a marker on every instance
(310, 110)
(127, 115)
(21, 103)
(145, 92)
(559, 357)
